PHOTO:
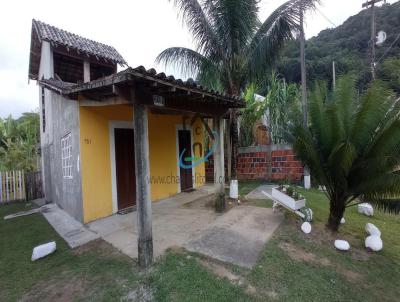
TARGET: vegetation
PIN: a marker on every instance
(282, 102)
(348, 46)
(284, 106)
(18, 142)
(352, 146)
(290, 191)
(293, 266)
(233, 48)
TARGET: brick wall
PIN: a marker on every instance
(271, 163)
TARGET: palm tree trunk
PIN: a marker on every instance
(234, 143)
(337, 208)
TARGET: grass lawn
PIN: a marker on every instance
(293, 266)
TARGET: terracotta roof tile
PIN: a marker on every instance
(55, 35)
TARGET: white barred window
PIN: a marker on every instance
(66, 155)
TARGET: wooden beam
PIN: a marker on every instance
(142, 168)
(86, 71)
(219, 168)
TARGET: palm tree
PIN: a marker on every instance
(233, 48)
(352, 146)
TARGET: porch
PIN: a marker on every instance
(189, 220)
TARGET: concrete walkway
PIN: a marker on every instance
(189, 220)
(257, 192)
(72, 231)
(175, 221)
(238, 236)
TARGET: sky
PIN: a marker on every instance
(138, 29)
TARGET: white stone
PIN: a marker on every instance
(372, 229)
(366, 209)
(342, 245)
(374, 243)
(233, 189)
(342, 221)
(306, 227)
(43, 250)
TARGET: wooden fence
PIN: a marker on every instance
(33, 185)
(19, 186)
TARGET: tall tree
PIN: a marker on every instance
(233, 47)
(352, 146)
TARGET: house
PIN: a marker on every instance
(114, 140)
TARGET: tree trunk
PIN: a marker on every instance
(337, 208)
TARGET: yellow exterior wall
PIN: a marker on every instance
(96, 164)
(95, 158)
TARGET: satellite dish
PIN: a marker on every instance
(380, 38)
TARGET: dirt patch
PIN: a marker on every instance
(101, 247)
(360, 255)
(322, 236)
(63, 289)
(349, 275)
(221, 271)
(142, 293)
(298, 254)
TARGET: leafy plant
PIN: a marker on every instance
(233, 48)
(253, 112)
(281, 105)
(289, 191)
(352, 145)
(284, 107)
(18, 141)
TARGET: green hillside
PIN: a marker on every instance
(348, 45)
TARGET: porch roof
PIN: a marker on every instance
(146, 83)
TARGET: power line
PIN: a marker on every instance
(326, 18)
(390, 47)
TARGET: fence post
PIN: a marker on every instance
(20, 185)
(7, 188)
(23, 190)
(14, 185)
(1, 187)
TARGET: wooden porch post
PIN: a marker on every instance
(219, 169)
(142, 169)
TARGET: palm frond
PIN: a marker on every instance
(199, 26)
(345, 95)
(370, 114)
(235, 22)
(187, 61)
(279, 27)
(391, 206)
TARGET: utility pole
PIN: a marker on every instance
(371, 4)
(333, 75)
(307, 177)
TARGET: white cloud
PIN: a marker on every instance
(139, 30)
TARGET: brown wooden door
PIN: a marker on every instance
(125, 167)
(186, 174)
